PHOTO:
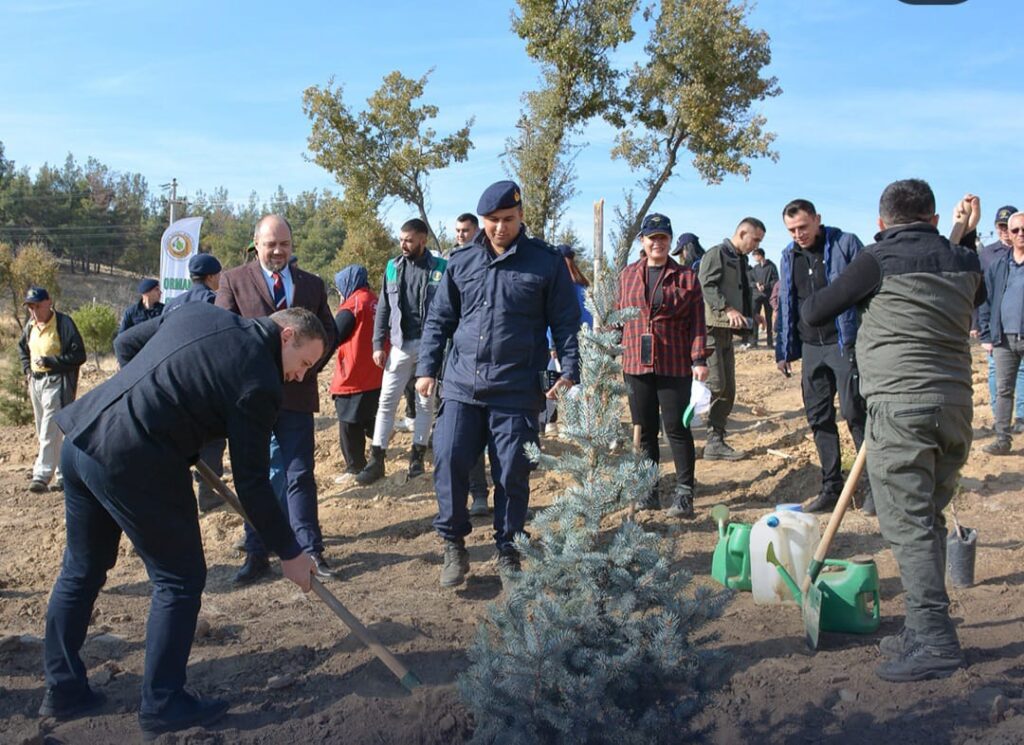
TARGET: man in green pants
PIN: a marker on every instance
(915, 291)
(728, 309)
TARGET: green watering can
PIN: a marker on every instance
(730, 564)
(844, 599)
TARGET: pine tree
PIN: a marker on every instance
(593, 641)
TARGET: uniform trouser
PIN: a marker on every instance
(1018, 390)
(721, 376)
(162, 524)
(45, 394)
(763, 303)
(915, 451)
(462, 431)
(478, 479)
(825, 371)
(399, 370)
(1008, 357)
(293, 432)
(649, 393)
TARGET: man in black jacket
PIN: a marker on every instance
(915, 292)
(51, 352)
(196, 374)
(763, 276)
(146, 307)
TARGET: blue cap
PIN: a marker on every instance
(566, 250)
(1003, 214)
(684, 240)
(36, 295)
(499, 196)
(203, 265)
(146, 285)
(656, 223)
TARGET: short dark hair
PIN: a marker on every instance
(752, 222)
(799, 205)
(906, 201)
(415, 225)
(306, 325)
(758, 252)
(468, 217)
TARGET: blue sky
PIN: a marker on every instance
(210, 93)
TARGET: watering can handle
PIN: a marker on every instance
(837, 517)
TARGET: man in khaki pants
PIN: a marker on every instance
(51, 352)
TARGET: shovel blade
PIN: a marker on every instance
(811, 607)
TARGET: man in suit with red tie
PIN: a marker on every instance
(257, 289)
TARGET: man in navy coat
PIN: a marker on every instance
(193, 375)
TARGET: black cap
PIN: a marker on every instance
(1003, 214)
(499, 196)
(36, 295)
(566, 250)
(684, 240)
(203, 265)
(656, 223)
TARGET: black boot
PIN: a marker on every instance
(824, 502)
(256, 566)
(651, 501)
(682, 502)
(868, 507)
(716, 448)
(374, 470)
(416, 461)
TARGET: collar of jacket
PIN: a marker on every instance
(510, 251)
(910, 227)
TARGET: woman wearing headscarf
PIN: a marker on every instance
(356, 383)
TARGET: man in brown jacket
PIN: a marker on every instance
(257, 289)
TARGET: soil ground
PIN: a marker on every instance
(326, 688)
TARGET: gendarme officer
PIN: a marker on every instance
(495, 302)
(204, 271)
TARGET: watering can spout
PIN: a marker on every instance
(771, 558)
(720, 513)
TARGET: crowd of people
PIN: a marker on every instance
(488, 338)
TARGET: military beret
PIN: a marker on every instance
(499, 196)
(36, 295)
(147, 284)
(656, 223)
(203, 265)
(1003, 214)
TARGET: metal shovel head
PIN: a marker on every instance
(811, 607)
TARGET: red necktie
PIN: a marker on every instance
(280, 299)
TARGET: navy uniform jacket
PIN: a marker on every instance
(197, 293)
(496, 310)
(195, 375)
(138, 313)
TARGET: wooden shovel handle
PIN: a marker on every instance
(837, 517)
(404, 675)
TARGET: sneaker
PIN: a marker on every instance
(479, 507)
(1000, 446)
(38, 487)
(682, 502)
(456, 564)
(920, 662)
(896, 645)
(184, 712)
(69, 706)
(323, 569)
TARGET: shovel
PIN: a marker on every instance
(404, 674)
(809, 600)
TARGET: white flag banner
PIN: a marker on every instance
(180, 243)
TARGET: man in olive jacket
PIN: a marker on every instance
(727, 308)
(51, 352)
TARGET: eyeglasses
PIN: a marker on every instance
(1017, 231)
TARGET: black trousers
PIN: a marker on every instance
(826, 371)
(763, 303)
(356, 416)
(654, 399)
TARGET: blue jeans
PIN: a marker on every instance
(1018, 395)
(163, 525)
(291, 476)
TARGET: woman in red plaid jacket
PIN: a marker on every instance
(662, 351)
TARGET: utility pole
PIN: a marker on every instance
(598, 236)
(173, 186)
